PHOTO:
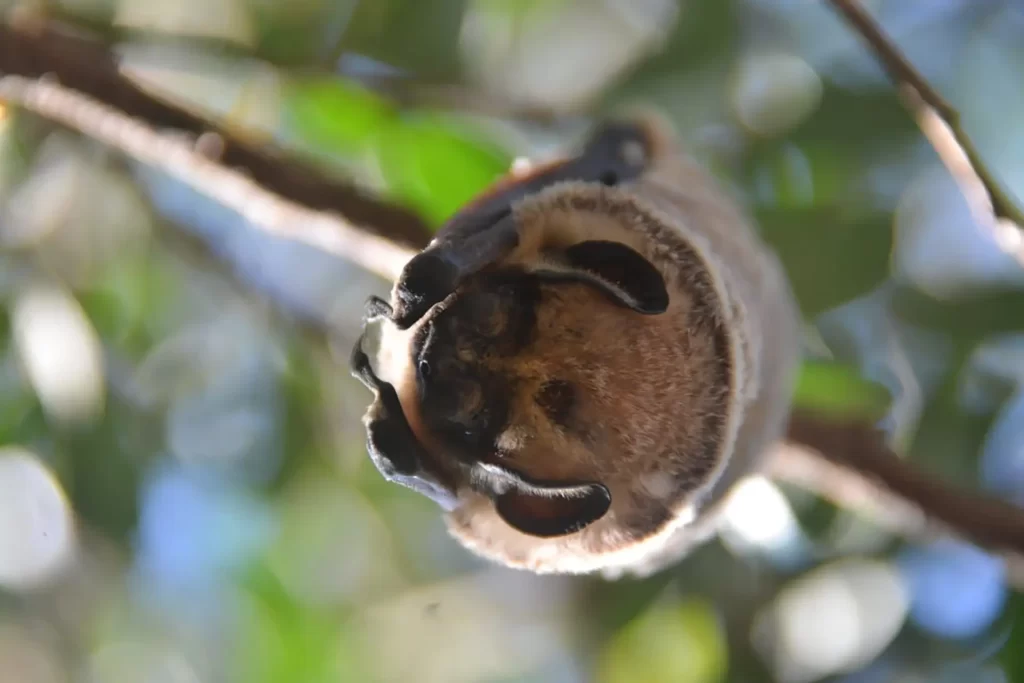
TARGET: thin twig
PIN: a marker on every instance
(858, 448)
(940, 123)
(899, 69)
(975, 184)
(264, 209)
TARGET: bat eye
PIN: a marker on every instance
(609, 178)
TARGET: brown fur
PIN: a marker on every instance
(667, 411)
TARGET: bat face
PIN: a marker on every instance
(557, 369)
(464, 356)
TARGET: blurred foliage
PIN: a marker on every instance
(428, 162)
(675, 643)
(225, 523)
(836, 389)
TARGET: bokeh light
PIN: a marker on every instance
(37, 531)
(758, 517)
(61, 353)
(774, 93)
(834, 619)
(956, 590)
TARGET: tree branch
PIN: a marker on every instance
(992, 206)
(34, 51)
(858, 449)
(179, 159)
(856, 468)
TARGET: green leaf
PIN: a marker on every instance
(830, 257)
(428, 162)
(968, 319)
(1012, 654)
(616, 604)
(789, 176)
(127, 302)
(435, 166)
(670, 643)
(517, 11)
(280, 639)
(838, 390)
(335, 116)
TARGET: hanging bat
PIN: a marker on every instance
(584, 360)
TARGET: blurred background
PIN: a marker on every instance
(184, 491)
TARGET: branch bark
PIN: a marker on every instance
(37, 51)
(264, 209)
(856, 468)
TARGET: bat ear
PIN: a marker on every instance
(557, 514)
(547, 509)
(617, 270)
